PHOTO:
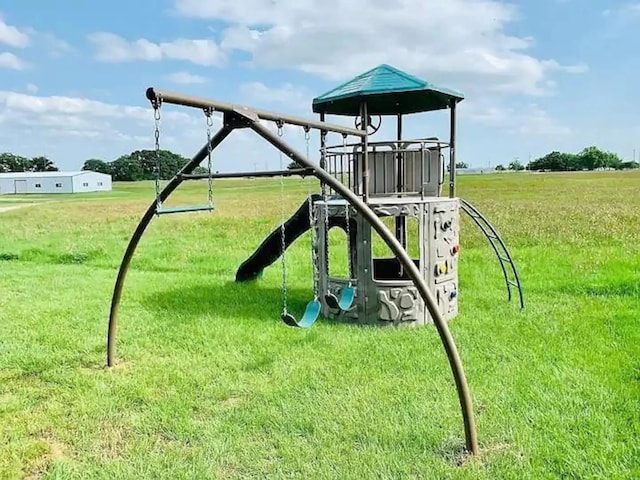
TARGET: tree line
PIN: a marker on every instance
(590, 158)
(135, 166)
(141, 165)
(17, 163)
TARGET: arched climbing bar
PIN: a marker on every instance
(142, 226)
(413, 272)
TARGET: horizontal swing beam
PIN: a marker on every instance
(155, 95)
(261, 174)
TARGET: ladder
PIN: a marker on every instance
(511, 277)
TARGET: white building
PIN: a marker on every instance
(54, 182)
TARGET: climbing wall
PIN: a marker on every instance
(442, 247)
(395, 301)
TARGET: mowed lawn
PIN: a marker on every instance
(211, 384)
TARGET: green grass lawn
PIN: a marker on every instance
(211, 384)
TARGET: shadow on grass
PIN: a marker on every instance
(231, 300)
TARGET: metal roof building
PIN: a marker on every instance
(54, 182)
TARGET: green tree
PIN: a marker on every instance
(629, 165)
(516, 165)
(592, 158)
(462, 165)
(556, 161)
(170, 163)
(13, 163)
(126, 169)
(42, 164)
(97, 165)
(500, 168)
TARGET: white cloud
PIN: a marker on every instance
(32, 88)
(629, 8)
(72, 129)
(462, 43)
(11, 61)
(13, 36)
(293, 97)
(185, 78)
(529, 119)
(56, 46)
(72, 119)
(113, 48)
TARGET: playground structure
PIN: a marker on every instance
(361, 182)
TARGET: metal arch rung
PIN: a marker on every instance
(200, 208)
(310, 316)
(347, 295)
(499, 248)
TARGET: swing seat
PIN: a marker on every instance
(311, 314)
(198, 208)
(347, 295)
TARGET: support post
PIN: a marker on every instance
(142, 226)
(401, 222)
(365, 153)
(449, 345)
(323, 155)
(452, 151)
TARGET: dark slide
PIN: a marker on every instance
(271, 248)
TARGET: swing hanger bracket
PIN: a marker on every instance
(243, 117)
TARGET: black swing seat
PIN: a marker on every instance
(347, 295)
(309, 317)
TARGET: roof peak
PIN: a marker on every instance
(402, 92)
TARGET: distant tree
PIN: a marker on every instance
(97, 165)
(500, 168)
(126, 169)
(516, 165)
(293, 166)
(556, 161)
(592, 158)
(141, 165)
(13, 163)
(629, 165)
(462, 165)
(589, 158)
(42, 164)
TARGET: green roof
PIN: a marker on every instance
(387, 91)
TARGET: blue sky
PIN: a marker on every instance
(538, 75)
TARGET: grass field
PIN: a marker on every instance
(211, 384)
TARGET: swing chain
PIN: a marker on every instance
(283, 245)
(312, 228)
(347, 207)
(208, 113)
(325, 198)
(157, 103)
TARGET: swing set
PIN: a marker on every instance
(360, 183)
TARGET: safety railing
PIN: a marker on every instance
(405, 167)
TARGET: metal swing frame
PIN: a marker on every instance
(236, 116)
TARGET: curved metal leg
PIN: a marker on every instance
(392, 242)
(496, 242)
(142, 226)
